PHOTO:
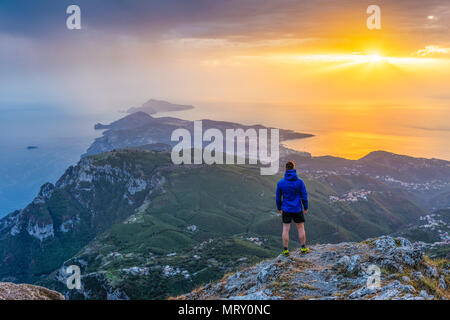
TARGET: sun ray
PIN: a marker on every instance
(373, 61)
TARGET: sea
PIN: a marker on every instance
(58, 137)
(37, 144)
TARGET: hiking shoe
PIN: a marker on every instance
(304, 250)
(285, 253)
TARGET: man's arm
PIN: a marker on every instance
(304, 195)
(278, 198)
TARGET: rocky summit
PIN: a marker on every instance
(339, 271)
(11, 291)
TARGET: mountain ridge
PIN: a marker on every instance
(124, 204)
(140, 128)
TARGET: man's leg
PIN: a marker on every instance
(301, 233)
(285, 235)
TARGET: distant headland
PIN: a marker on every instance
(153, 106)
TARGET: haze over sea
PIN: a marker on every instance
(60, 137)
(348, 130)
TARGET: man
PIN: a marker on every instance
(292, 203)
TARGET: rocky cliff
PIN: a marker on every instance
(64, 217)
(11, 291)
(339, 271)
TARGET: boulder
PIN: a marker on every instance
(361, 292)
(392, 290)
(259, 295)
(267, 272)
(431, 271)
(354, 266)
(384, 243)
(12, 291)
(425, 295)
(396, 257)
(417, 275)
(342, 263)
(442, 283)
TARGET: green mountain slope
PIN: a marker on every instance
(63, 218)
(125, 211)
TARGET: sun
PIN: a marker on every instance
(375, 58)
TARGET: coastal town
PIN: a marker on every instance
(352, 196)
(435, 222)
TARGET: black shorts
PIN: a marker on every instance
(288, 216)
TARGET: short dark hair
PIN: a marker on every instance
(290, 165)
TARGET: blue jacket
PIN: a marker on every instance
(291, 193)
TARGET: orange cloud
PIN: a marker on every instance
(432, 50)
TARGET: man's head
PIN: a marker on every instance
(290, 165)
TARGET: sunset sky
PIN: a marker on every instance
(287, 52)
